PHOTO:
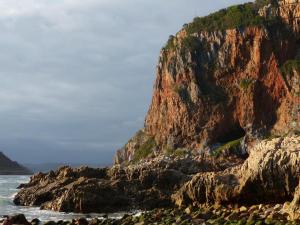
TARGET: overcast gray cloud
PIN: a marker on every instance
(76, 76)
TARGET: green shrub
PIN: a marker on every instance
(230, 145)
(238, 16)
(144, 150)
(262, 3)
(192, 43)
(180, 152)
(233, 17)
(168, 150)
(170, 43)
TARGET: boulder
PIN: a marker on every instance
(293, 208)
(16, 219)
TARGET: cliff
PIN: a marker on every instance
(232, 75)
(8, 167)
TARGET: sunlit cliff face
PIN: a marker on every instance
(218, 86)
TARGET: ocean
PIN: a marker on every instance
(8, 189)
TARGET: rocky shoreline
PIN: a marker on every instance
(269, 176)
(205, 215)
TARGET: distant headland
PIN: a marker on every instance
(9, 167)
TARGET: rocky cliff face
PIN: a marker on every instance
(289, 10)
(8, 167)
(215, 85)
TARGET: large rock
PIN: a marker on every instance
(17, 219)
(269, 175)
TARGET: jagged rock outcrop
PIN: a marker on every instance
(217, 85)
(88, 190)
(8, 167)
(270, 175)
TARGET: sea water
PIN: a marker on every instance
(8, 189)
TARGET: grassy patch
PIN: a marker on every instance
(270, 136)
(192, 43)
(233, 17)
(168, 150)
(144, 150)
(246, 83)
(262, 3)
(238, 16)
(170, 43)
(230, 145)
(180, 152)
(189, 43)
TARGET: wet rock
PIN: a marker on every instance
(94, 221)
(81, 221)
(35, 221)
(17, 219)
(50, 223)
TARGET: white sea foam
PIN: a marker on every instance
(13, 195)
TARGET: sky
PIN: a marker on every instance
(76, 77)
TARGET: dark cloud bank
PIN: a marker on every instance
(76, 76)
